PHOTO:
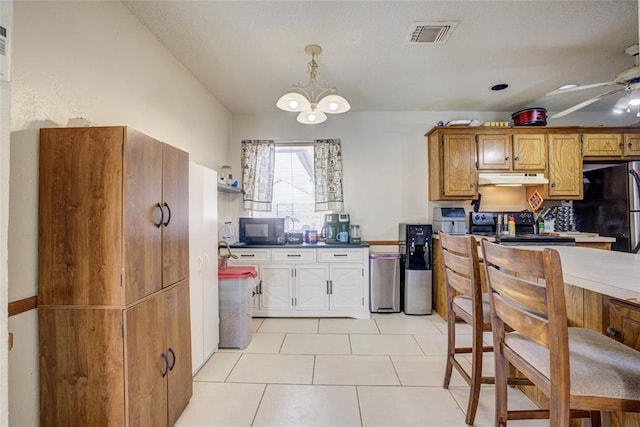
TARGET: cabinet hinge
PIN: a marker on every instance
(122, 149)
(121, 280)
(363, 301)
(122, 331)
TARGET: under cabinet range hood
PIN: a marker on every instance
(506, 178)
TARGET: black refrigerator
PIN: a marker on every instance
(611, 204)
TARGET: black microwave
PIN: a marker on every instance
(262, 231)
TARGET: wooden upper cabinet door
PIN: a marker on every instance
(80, 213)
(460, 175)
(631, 145)
(147, 362)
(175, 229)
(142, 216)
(180, 386)
(494, 152)
(602, 144)
(529, 152)
(565, 166)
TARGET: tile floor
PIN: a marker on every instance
(386, 371)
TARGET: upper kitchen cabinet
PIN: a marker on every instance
(565, 168)
(453, 174)
(505, 152)
(611, 146)
(113, 216)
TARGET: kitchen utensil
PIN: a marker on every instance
(530, 117)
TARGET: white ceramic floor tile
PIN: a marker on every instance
(485, 414)
(436, 345)
(273, 368)
(408, 406)
(354, 370)
(218, 404)
(218, 367)
(256, 322)
(265, 343)
(404, 345)
(291, 325)
(461, 327)
(348, 326)
(316, 344)
(301, 405)
(418, 325)
(386, 315)
(424, 371)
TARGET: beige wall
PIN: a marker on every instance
(90, 60)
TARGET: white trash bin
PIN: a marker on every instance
(236, 286)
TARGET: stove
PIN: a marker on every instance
(494, 224)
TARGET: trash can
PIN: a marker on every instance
(236, 286)
(384, 283)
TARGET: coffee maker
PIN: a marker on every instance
(336, 228)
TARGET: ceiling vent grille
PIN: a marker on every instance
(431, 32)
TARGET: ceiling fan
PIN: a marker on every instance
(627, 80)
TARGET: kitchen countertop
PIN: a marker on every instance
(318, 245)
(578, 238)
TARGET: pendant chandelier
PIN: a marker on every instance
(312, 101)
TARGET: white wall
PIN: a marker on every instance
(385, 160)
(95, 61)
(6, 20)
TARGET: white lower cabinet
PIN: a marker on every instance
(309, 282)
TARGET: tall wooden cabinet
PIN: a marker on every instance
(113, 269)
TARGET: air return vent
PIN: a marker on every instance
(431, 32)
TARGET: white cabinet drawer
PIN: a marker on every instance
(340, 255)
(250, 255)
(293, 255)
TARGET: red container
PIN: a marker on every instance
(530, 117)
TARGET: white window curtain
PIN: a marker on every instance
(327, 165)
(257, 161)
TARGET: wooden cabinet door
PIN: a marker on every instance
(565, 167)
(80, 216)
(460, 175)
(142, 216)
(624, 323)
(82, 376)
(312, 288)
(494, 152)
(529, 152)
(175, 201)
(276, 289)
(346, 286)
(631, 145)
(180, 387)
(602, 144)
(147, 362)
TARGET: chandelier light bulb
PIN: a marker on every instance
(621, 105)
(634, 98)
(312, 117)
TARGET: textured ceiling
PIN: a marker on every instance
(248, 53)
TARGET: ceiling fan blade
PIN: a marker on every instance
(581, 87)
(584, 103)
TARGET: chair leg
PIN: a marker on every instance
(451, 345)
(476, 375)
(500, 386)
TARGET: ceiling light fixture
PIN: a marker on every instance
(312, 101)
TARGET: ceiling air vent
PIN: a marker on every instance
(431, 32)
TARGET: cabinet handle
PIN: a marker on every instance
(613, 333)
(330, 287)
(169, 212)
(340, 255)
(173, 363)
(247, 255)
(260, 287)
(294, 255)
(621, 144)
(166, 365)
(159, 224)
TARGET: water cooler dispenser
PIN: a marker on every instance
(415, 276)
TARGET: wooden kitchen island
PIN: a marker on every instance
(602, 289)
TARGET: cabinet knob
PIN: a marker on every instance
(516, 158)
(506, 158)
(630, 145)
(553, 185)
(612, 332)
(472, 185)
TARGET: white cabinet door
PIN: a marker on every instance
(346, 286)
(277, 286)
(312, 288)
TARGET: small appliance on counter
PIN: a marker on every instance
(295, 238)
(355, 238)
(336, 228)
(262, 231)
(415, 276)
(449, 220)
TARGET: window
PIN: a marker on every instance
(293, 188)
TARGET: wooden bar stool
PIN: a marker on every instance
(578, 369)
(466, 301)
